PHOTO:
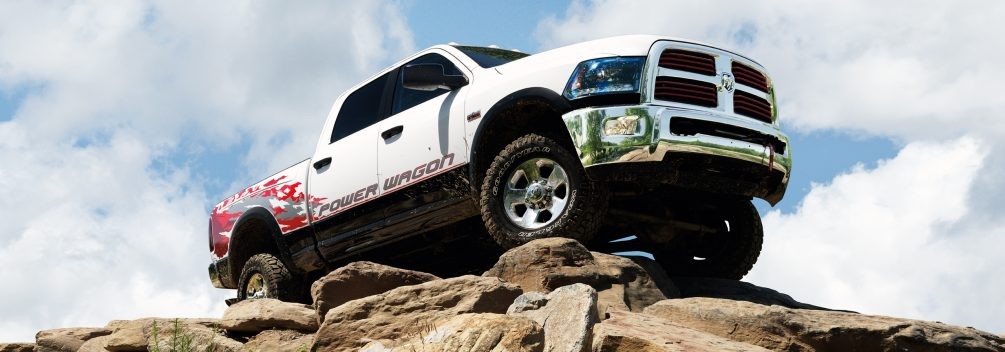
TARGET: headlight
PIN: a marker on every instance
(605, 76)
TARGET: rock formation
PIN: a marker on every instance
(17, 347)
(786, 329)
(567, 315)
(409, 311)
(253, 316)
(66, 339)
(633, 332)
(358, 280)
(481, 332)
(546, 264)
(548, 295)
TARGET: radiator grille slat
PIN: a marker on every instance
(753, 106)
(689, 61)
(750, 77)
(682, 90)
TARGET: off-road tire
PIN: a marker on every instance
(738, 252)
(580, 218)
(279, 283)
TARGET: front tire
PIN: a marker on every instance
(265, 276)
(536, 188)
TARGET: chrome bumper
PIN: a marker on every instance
(214, 276)
(652, 139)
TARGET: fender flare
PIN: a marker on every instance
(257, 213)
(540, 94)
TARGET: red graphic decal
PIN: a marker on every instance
(221, 221)
(316, 201)
(274, 181)
(278, 210)
(289, 192)
(287, 225)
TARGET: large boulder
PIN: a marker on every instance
(549, 263)
(280, 341)
(567, 314)
(781, 328)
(407, 310)
(142, 334)
(17, 347)
(66, 339)
(634, 332)
(658, 275)
(97, 344)
(255, 315)
(481, 332)
(358, 280)
(737, 291)
(130, 335)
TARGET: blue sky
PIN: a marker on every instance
(122, 123)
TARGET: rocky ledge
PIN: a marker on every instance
(548, 295)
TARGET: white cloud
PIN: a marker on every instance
(918, 234)
(220, 70)
(91, 234)
(887, 240)
(102, 220)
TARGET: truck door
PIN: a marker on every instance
(343, 177)
(422, 145)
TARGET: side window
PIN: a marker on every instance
(405, 99)
(360, 109)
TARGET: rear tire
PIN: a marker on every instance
(536, 188)
(265, 276)
(729, 253)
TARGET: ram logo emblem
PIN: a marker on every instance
(728, 83)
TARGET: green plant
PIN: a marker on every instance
(179, 339)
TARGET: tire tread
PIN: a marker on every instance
(581, 223)
(278, 278)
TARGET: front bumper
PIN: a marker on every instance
(664, 135)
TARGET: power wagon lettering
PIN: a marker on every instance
(427, 169)
(366, 193)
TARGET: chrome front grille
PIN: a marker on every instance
(698, 75)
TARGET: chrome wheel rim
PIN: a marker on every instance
(536, 193)
(256, 287)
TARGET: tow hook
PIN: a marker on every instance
(770, 150)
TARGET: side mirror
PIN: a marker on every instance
(430, 77)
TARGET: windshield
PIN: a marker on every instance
(490, 57)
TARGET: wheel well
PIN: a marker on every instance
(518, 117)
(252, 236)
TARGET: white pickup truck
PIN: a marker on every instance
(664, 139)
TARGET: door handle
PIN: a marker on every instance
(322, 163)
(393, 131)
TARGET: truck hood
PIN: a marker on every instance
(625, 45)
